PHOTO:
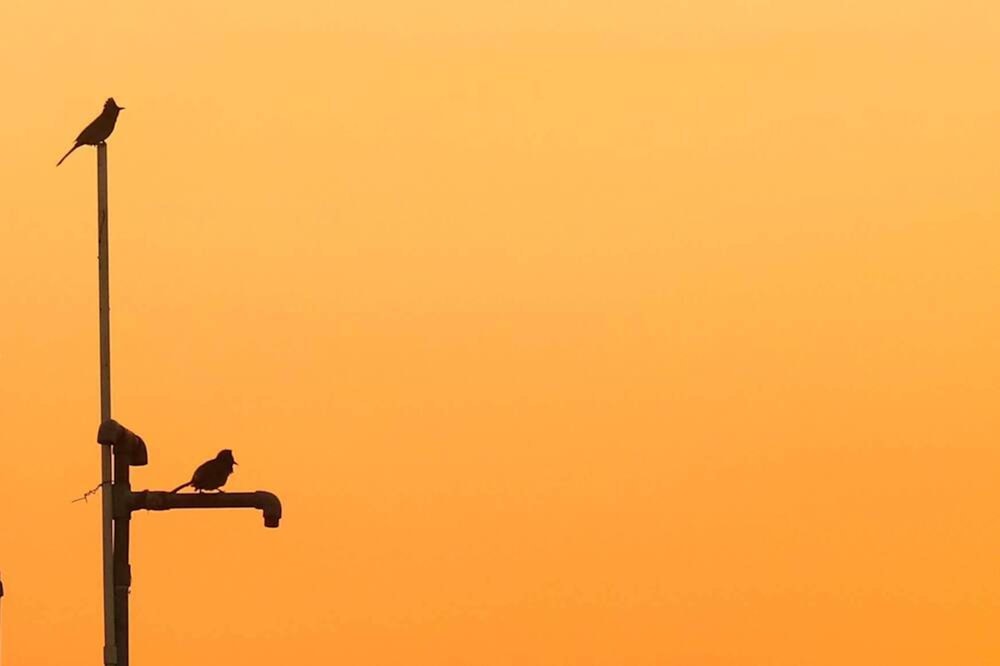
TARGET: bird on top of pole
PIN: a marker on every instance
(99, 130)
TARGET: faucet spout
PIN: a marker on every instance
(158, 500)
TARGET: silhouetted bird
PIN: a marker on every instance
(99, 130)
(211, 475)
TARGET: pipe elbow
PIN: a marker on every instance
(270, 505)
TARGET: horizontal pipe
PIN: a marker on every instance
(158, 500)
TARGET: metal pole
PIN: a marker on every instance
(123, 570)
(1, 624)
(110, 651)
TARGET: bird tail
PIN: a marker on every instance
(75, 146)
(183, 485)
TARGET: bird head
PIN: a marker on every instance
(111, 104)
(226, 455)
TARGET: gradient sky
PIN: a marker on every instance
(597, 333)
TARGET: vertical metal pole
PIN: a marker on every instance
(110, 651)
(123, 571)
(1, 624)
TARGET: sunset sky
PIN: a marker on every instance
(634, 333)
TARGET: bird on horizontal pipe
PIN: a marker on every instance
(211, 475)
(99, 130)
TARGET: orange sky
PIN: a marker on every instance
(586, 333)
